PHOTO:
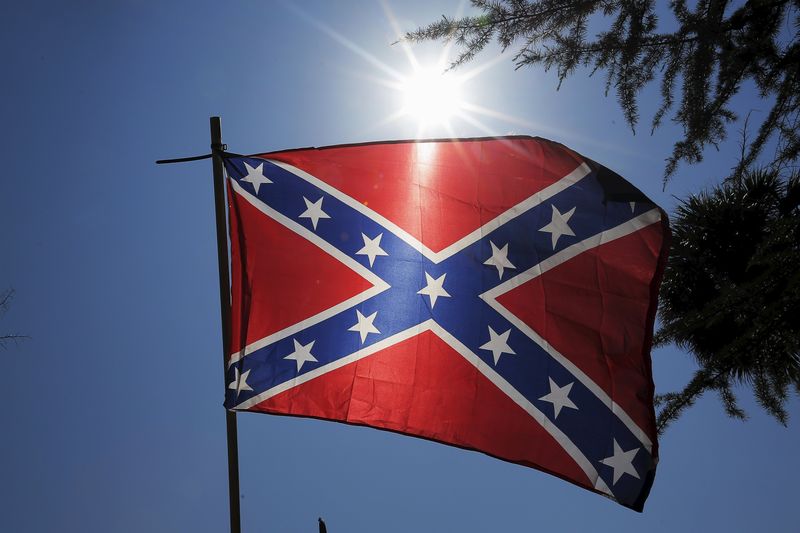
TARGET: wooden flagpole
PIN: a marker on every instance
(225, 313)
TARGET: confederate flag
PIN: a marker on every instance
(492, 294)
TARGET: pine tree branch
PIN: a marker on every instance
(686, 398)
(713, 39)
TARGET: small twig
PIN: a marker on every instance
(5, 301)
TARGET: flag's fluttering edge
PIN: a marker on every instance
(493, 294)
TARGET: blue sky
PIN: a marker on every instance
(112, 417)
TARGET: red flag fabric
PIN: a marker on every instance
(492, 294)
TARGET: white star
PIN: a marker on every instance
(559, 397)
(256, 176)
(558, 225)
(364, 326)
(498, 344)
(633, 206)
(372, 248)
(434, 288)
(239, 383)
(499, 258)
(621, 462)
(301, 353)
(314, 211)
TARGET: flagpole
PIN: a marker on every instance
(225, 313)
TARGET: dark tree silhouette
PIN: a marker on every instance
(731, 292)
(714, 49)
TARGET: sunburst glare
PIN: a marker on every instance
(428, 95)
(431, 96)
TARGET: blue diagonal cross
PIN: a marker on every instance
(461, 313)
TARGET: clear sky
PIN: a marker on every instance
(112, 414)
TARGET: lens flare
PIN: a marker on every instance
(432, 96)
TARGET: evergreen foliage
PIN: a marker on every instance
(731, 292)
(714, 49)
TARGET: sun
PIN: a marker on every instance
(431, 96)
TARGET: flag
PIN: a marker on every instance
(493, 294)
